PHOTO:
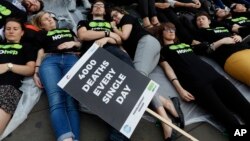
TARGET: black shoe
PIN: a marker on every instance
(172, 137)
(115, 135)
(179, 120)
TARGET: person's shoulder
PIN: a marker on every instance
(129, 17)
(82, 23)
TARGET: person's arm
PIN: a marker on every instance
(90, 35)
(195, 4)
(163, 5)
(38, 64)
(185, 95)
(226, 40)
(125, 31)
(25, 70)
(68, 45)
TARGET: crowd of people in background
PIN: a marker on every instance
(168, 33)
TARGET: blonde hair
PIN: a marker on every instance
(36, 20)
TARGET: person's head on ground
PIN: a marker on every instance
(237, 7)
(33, 6)
(98, 9)
(44, 20)
(13, 30)
(116, 14)
(222, 14)
(168, 33)
(203, 20)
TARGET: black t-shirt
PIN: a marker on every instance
(188, 67)
(50, 40)
(16, 54)
(30, 36)
(243, 21)
(136, 34)
(7, 10)
(224, 51)
(95, 25)
(240, 20)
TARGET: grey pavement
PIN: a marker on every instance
(37, 127)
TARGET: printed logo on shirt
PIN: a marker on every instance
(240, 20)
(219, 30)
(181, 48)
(100, 26)
(4, 11)
(58, 34)
(11, 49)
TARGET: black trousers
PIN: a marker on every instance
(146, 8)
(222, 100)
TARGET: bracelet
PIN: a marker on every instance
(212, 46)
(107, 33)
(37, 74)
(172, 80)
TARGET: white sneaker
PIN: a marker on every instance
(86, 4)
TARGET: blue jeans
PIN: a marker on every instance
(64, 112)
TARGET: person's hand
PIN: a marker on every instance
(237, 38)
(228, 40)
(101, 42)
(186, 96)
(66, 45)
(235, 28)
(113, 24)
(3, 68)
(192, 5)
(37, 80)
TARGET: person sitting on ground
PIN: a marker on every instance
(166, 13)
(16, 61)
(55, 59)
(225, 48)
(148, 13)
(197, 81)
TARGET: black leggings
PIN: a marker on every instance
(221, 98)
(147, 8)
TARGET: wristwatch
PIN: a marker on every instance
(10, 66)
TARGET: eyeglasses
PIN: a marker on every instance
(170, 30)
(98, 5)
